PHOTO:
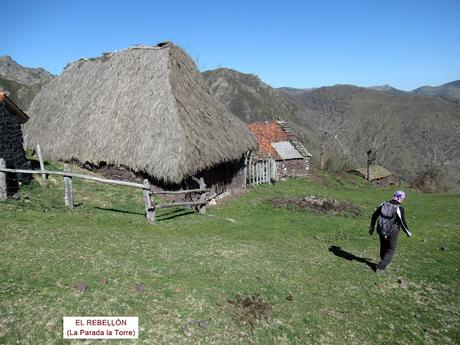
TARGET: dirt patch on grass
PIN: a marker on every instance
(247, 310)
(320, 179)
(317, 204)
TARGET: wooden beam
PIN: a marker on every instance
(149, 206)
(68, 188)
(182, 191)
(3, 190)
(177, 204)
(42, 164)
(85, 177)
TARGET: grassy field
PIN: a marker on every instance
(246, 272)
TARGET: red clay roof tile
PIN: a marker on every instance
(267, 133)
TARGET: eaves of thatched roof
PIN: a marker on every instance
(146, 108)
(376, 171)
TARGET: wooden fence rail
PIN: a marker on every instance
(146, 187)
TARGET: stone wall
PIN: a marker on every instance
(11, 149)
(290, 168)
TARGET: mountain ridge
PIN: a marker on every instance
(23, 83)
(407, 115)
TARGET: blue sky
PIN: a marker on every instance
(286, 43)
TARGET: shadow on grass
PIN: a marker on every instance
(174, 214)
(337, 251)
(118, 211)
(159, 217)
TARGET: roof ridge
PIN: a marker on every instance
(293, 138)
(106, 55)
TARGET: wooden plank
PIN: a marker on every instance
(258, 173)
(262, 180)
(3, 190)
(182, 191)
(68, 188)
(250, 169)
(42, 164)
(177, 204)
(268, 170)
(149, 206)
(265, 171)
(245, 172)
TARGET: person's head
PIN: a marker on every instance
(399, 196)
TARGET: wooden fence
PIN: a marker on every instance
(150, 206)
(260, 171)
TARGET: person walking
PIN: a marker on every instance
(390, 218)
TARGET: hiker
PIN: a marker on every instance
(389, 217)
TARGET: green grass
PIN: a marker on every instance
(191, 266)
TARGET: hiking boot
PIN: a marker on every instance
(380, 266)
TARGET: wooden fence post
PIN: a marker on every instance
(252, 172)
(203, 197)
(68, 188)
(149, 206)
(265, 171)
(258, 173)
(245, 171)
(3, 191)
(269, 169)
(262, 177)
(42, 164)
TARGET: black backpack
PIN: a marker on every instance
(388, 222)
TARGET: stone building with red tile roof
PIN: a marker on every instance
(278, 141)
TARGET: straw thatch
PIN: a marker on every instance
(376, 172)
(146, 108)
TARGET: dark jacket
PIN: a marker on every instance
(401, 218)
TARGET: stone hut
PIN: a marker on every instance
(11, 141)
(278, 141)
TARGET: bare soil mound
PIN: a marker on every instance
(249, 309)
(317, 204)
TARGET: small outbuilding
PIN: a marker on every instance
(145, 108)
(378, 175)
(11, 141)
(278, 141)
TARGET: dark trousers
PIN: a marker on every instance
(387, 250)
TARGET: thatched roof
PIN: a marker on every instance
(146, 108)
(376, 172)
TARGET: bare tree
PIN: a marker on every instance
(330, 122)
(370, 140)
(438, 146)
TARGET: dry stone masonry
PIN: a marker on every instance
(11, 148)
